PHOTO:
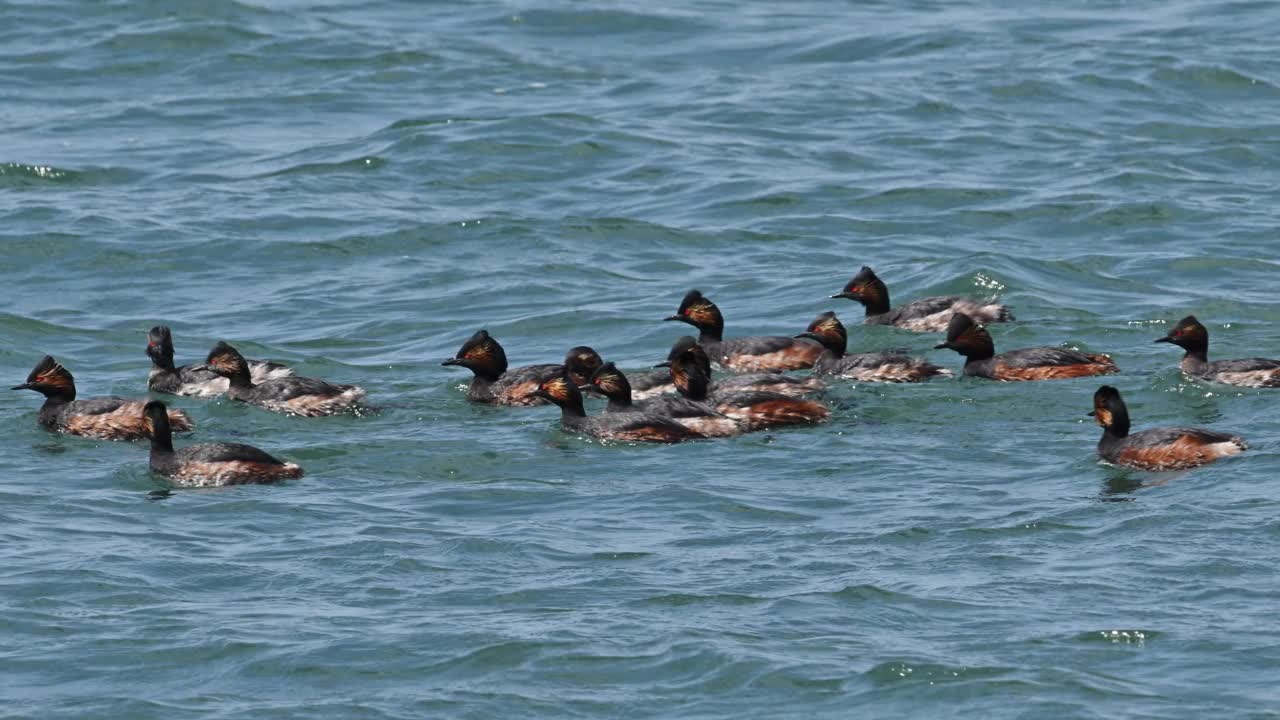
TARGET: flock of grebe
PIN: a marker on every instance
(679, 402)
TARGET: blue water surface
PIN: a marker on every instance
(356, 188)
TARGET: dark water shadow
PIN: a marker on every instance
(1122, 483)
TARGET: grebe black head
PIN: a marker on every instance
(701, 313)
(482, 355)
(609, 381)
(968, 338)
(160, 347)
(229, 363)
(564, 393)
(51, 379)
(1110, 412)
(687, 345)
(868, 290)
(1189, 335)
(690, 373)
(580, 363)
(829, 331)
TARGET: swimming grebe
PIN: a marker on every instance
(868, 367)
(292, 395)
(760, 352)
(628, 427)
(165, 377)
(1036, 363)
(106, 418)
(1166, 448)
(582, 362)
(929, 314)
(1191, 336)
(794, 386)
(697, 416)
(757, 409)
(493, 382)
(209, 464)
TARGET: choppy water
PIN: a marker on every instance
(356, 188)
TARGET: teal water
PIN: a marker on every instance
(356, 188)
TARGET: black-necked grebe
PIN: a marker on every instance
(582, 362)
(930, 314)
(106, 418)
(1036, 363)
(293, 395)
(765, 381)
(700, 417)
(1191, 336)
(628, 427)
(757, 409)
(493, 382)
(1167, 448)
(209, 464)
(760, 352)
(892, 367)
(165, 377)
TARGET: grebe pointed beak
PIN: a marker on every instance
(673, 317)
(942, 345)
(24, 386)
(808, 336)
(1091, 413)
(451, 361)
(201, 366)
(663, 364)
(1166, 338)
(846, 295)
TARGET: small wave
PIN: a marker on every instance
(932, 673)
(940, 197)
(1109, 636)
(367, 163)
(620, 555)
(1136, 215)
(872, 47)
(606, 22)
(683, 599)
(187, 36)
(16, 174)
(37, 172)
(1202, 78)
